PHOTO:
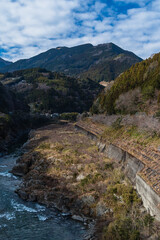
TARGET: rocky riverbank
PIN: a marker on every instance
(63, 168)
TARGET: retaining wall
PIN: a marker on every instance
(132, 166)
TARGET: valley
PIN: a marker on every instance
(79, 120)
(93, 137)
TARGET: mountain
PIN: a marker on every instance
(136, 90)
(52, 92)
(101, 62)
(4, 63)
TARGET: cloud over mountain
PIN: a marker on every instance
(30, 27)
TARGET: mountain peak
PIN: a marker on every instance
(86, 60)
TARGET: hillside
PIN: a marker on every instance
(9, 102)
(14, 119)
(52, 92)
(136, 90)
(4, 63)
(101, 62)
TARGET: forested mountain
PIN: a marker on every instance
(52, 92)
(101, 62)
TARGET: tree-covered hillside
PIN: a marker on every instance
(9, 102)
(137, 86)
(52, 92)
(14, 118)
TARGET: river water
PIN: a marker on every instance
(20, 220)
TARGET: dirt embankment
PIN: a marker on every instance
(64, 169)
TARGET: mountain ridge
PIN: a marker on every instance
(4, 63)
(101, 62)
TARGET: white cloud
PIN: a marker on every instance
(28, 27)
(29, 23)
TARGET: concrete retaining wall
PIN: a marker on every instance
(88, 133)
(115, 153)
(132, 166)
(150, 199)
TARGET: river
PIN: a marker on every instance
(20, 220)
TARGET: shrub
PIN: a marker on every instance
(44, 146)
(69, 116)
(157, 114)
(121, 229)
(117, 124)
(148, 92)
(148, 222)
(129, 102)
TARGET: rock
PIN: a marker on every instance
(80, 177)
(153, 237)
(22, 194)
(88, 200)
(78, 218)
(20, 170)
(101, 209)
(101, 146)
(79, 167)
(32, 197)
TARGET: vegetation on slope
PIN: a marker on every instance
(138, 84)
(52, 92)
(9, 102)
(14, 118)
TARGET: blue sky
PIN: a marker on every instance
(28, 27)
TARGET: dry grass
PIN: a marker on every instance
(132, 134)
(73, 157)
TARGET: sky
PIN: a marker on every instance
(29, 27)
